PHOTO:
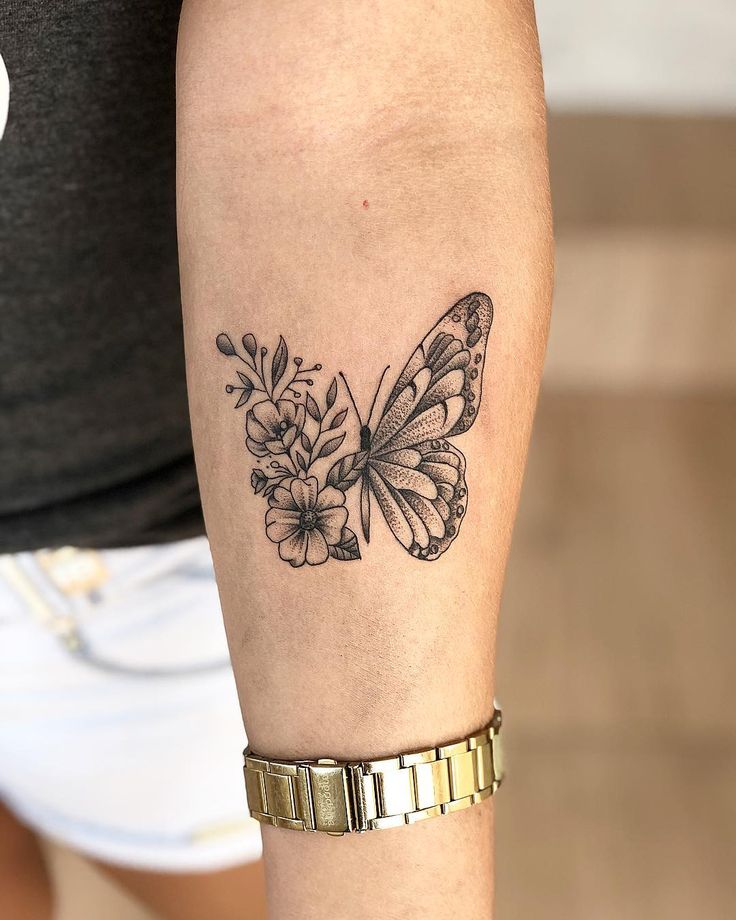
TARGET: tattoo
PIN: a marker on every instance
(404, 460)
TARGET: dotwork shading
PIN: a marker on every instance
(405, 458)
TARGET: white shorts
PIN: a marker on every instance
(120, 731)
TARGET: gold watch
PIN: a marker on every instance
(350, 797)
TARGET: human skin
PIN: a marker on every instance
(25, 892)
(346, 172)
(27, 887)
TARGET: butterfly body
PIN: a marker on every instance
(410, 467)
(365, 437)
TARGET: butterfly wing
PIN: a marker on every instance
(417, 476)
(424, 522)
(454, 350)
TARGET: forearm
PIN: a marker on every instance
(346, 173)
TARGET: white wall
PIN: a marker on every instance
(639, 55)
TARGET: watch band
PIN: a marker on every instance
(343, 797)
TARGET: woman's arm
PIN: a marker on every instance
(347, 172)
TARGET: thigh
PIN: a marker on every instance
(129, 753)
(231, 894)
(25, 892)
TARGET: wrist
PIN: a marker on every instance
(403, 788)
(432, 869)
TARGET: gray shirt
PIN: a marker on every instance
(95, 447)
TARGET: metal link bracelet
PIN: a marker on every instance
(351, 797)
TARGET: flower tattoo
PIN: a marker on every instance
(289, 433)
(405, 458)
(306, 521)
(273, 427)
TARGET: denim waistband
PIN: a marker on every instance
(60, 588)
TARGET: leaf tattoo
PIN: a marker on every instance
(329, 447)
(249, 344)
(348, 471)
(332, 393)
(313, 408)
(338, 419)
(279, 362)
(347, 548)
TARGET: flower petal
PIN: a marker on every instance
(255, 447)
(281, 524)
(317, 551)
(300, 417)
(275, 447)
(287, 411)
(289, 437)
(267, 414)
(304, 493)
(254, 428)
(329, 497)
(330, 524)
(281, 498)
(294, 548)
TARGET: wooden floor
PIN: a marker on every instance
(616, 670)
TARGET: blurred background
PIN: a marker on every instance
(617, 654)
(617, 649)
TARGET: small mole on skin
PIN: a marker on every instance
(365, 203)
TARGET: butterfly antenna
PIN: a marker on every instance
(350, 394)
(378, 390)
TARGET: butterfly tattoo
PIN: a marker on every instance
(405, 459)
